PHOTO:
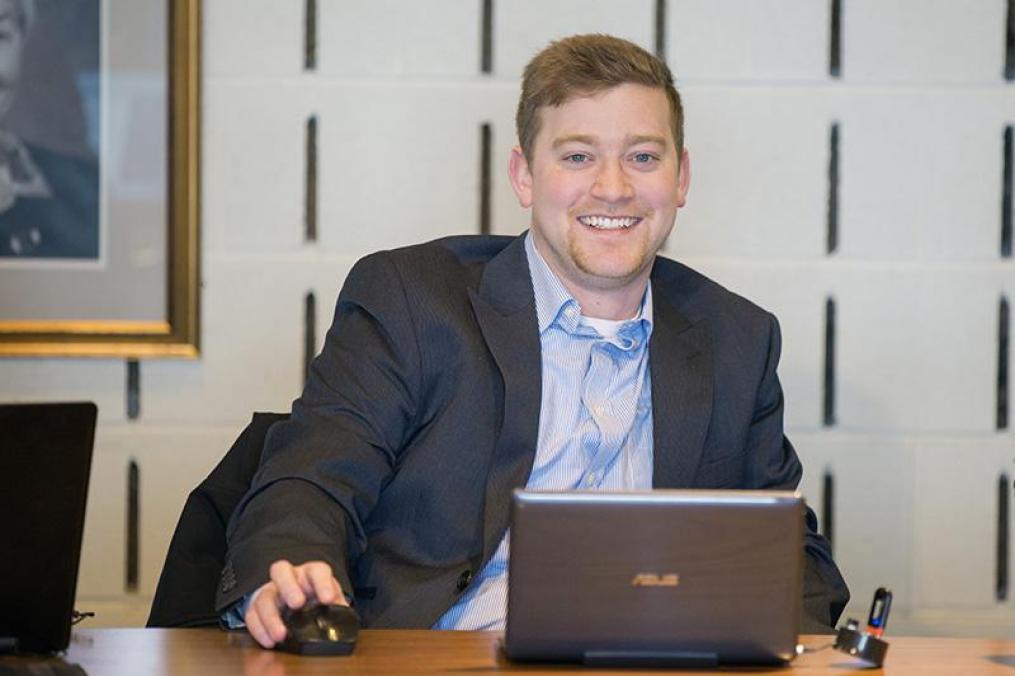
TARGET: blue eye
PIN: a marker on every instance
(577, 158)
(643, 158)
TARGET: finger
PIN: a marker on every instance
(339, 594)
(322, 582)
(284, 577)
(265, 607)
(257, 630)
(252, 619)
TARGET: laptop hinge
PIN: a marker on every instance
(651, 658)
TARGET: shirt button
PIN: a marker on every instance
(590, 480)
(464, 579)
(599, 410)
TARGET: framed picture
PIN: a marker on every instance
(99, 163)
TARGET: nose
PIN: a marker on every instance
(612, 184)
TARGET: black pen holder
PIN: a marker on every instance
(862, 645)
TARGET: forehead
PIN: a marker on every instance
(619, 112)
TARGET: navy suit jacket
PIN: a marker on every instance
(421, 415)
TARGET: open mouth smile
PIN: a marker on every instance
(609, 222)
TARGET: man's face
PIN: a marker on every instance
(604, 184)
(12, 41)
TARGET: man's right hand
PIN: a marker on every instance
(291, 586)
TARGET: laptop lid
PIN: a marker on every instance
(678, 578)
(45, 459)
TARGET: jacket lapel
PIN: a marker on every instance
(504, 306)
(680, 361)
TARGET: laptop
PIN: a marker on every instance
(659, 578)
(45, 460)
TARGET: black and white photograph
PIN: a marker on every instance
(49, 129)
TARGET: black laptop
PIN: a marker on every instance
(658, 578)
(45, 460)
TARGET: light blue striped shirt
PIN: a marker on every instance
(595, 420)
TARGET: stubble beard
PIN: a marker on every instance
(610, 274)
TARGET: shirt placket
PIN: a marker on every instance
(601, 389)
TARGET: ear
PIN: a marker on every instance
(521, 177)
(684, 178)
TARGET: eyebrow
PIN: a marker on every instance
(574, 138)
(591, 140)
(635, 140)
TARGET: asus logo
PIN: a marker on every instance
(654, 580)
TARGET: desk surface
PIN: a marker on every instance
(210, 651)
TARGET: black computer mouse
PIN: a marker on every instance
(317, 629)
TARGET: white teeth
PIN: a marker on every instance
(606, 223)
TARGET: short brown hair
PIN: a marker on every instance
(583, 65)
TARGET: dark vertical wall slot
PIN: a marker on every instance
(829, 380)
(835, 40)
(485, 161)
(486, 38)
(832, 218)
(1003, 323)
(1006, 193)
(661, 29)
(1009, 44)
(133, 524)
(133, 389)
(309, 332)
(828, 505)
(310, 194)
(1003, 533)
(310, 35)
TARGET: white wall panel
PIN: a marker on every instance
(253, 346)
(921, 174)
(873, 508)
(955, 522)
(252, 38)
(759, 166)
(395, 38)
(917, 349)
(746, 39)
(939, 41)
(253, 166)
(171, 463)
(398, 165)
(102, 571)
(523, 27)
(800, 308)
(103, 381)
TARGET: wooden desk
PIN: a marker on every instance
(102, 652)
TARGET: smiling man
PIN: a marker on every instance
(604, 177)
(572, 356)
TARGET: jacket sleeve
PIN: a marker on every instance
(776, 466)
(322, 470)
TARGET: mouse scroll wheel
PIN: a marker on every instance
(330, 631)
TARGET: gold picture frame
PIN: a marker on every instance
(178, 334)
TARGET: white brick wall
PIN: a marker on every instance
(399, 99)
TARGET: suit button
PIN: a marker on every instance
(464, 579)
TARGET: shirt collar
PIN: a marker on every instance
(555, 304)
